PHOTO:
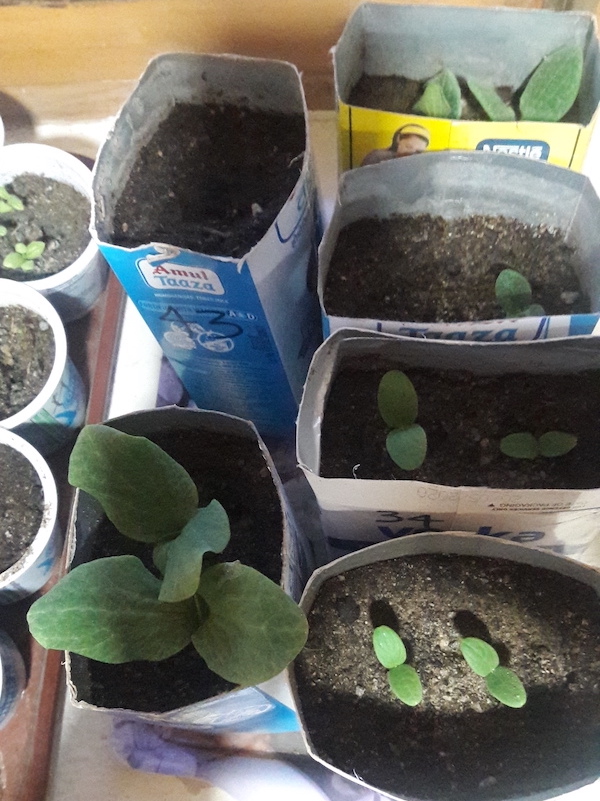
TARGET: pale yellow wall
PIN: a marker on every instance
(87, 42)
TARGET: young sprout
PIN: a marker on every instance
(9, 202)
(502, 683)
(524, 445)
(403, 679)
(24, 256)
(513, 293)
(3, 230)
(397, 402)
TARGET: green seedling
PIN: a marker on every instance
(115, 610)
(547, 96)
(554, 85)
(3, 230)
(9, 202)
(502, 683)
(403, 679)
(513, 293)
(524, 445)
(23, 256)
(397, 402)
(441, 97)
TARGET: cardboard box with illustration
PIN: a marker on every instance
(490, 56)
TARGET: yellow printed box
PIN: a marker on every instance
(495, 46)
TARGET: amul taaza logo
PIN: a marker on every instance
(529, 148)
(163, 275)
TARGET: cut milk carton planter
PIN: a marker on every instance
(528, 603)
(238, 330)
(453, 186)
(229, 462)
(358, 511)
(499, 46)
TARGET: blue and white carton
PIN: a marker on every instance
(356, 512)
(457, 184)
(239, 332)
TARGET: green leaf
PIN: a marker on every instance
(451, 89)
(109, 610)
(513, 292)
(253, 629)
(4, 193)
(556, 443)
(520, 446)
(27, 266)
(3, 230)
(397, 399)
(554, 86)
(406, 684)
(21, 248)
(5, 207)
(15, 202)
(143, 491)
(433, 103)
(491, 102)
(388, 646)
(35, 249)
(505, 686)
(407, 446)
(180, 560)
(479, 655)
(13, 261)
(535, 310)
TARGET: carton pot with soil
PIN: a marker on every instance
(418, 247)
(454, 739)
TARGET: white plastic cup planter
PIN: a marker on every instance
(12, 677)
(73, 290)
(59, 408)
(34, 568)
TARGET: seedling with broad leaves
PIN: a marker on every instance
(403, 679)
(23, 256)
(514, 295)
(548, 94)
(524, 445)
(502, 683)
(116, 610)
(398, 405)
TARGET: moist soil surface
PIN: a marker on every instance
(399, 94)
(459, 743)
(425, 268)
(21, 505)
(465, 417)
(56, 214)
(232, 470)
(26, 357)
(212, 179)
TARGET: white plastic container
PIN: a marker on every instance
(12, 678)
(73, 290)
(50, 418)
(33, 569)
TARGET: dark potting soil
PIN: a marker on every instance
(233, 471)
(26, 357)
(425, 268)
(212, 179)
(21, 505)
(459, 743)
(56, 214)
(399, 94)
(465, 417)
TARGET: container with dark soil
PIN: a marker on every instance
(418, 248)
(470, 397)
(539, 611)
(387, 54)
(205, 207)
(227, 463)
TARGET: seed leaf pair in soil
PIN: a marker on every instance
(398, 405)
(524, 445)
(24, 255)
(514, 294)
(547, 96)
(115, 610)
(502, 683)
